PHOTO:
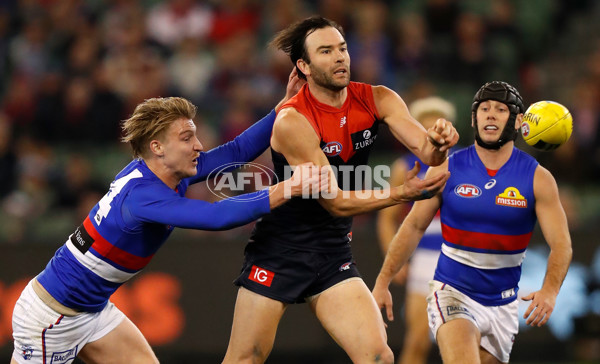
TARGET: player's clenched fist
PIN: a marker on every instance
(442, 134)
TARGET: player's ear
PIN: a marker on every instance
(303, 66)
(518, 121)
(156, 148)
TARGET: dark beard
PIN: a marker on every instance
(325, 81)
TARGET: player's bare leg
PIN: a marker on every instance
(487, 358)
(255, 322)
(350, 315)
(459, 342)
(416, 341)
(125, 344)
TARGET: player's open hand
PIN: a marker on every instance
(540, 308)
(383, 297)
(294, 85)
(442, 135)
(415, 189)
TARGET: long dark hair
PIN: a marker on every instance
(292, 39)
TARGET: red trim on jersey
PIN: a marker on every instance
(473, 239)
(491, 172)
(113, 253)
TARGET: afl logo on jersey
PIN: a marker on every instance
(332, 149)
(467, 190)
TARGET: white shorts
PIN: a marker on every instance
(43, 336)
(498, 325)
(421, 269)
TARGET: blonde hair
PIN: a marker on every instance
(432, 105)
(151, 118)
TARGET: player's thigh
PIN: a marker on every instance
(458, 341)
(124, 344)
(350, 315)
(255, 321)
(487, 358)
(416, 313)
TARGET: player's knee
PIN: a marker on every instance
(383, 355)
(379, 354)
(253, 355)
(386, 356)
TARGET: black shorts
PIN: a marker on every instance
(290, 275)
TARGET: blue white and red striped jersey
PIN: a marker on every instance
(487, 223)
(131, 222)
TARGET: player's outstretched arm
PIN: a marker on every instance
(160, 204)
(432, 145)
(404, 244)
(553, 222)
(294, 137)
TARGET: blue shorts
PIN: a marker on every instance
(291, 276)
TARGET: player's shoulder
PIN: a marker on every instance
(292, 125)
(543, 174)
(380, 91)
(289, 119)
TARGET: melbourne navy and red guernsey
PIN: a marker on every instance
(487, 222)
(131, 222)
(346, 137)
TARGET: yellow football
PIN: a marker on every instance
(546, 125)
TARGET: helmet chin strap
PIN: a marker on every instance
(509, 133)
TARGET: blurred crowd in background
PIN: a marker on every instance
(71, 70)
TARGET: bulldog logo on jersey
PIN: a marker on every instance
(467, 190)
(511, 197)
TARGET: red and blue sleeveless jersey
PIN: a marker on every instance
(346, 137)
(432, 237)
(131, 222)
(487, 223)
